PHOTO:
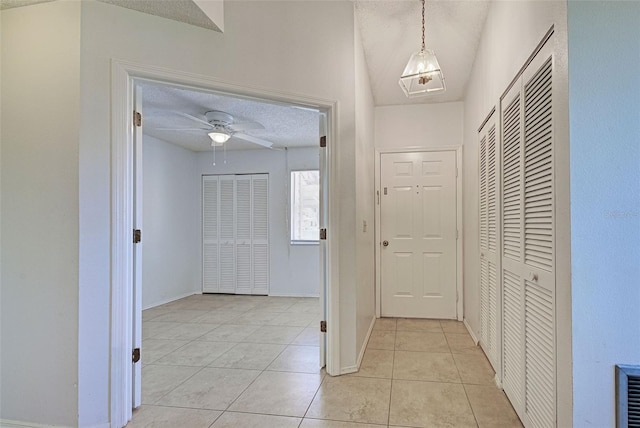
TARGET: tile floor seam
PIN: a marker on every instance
(393, 368)
(178, 385)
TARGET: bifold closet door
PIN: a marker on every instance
(235, 234)
(528, 259)
(489, 288)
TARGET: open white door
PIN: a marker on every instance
(137, 249)
(322, 242)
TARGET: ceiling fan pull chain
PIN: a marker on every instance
(214, 154)
(224, 151)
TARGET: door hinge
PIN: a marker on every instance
(323, 326)
(137, 118)
(323, 141)
(323, 233)
(137, 236)
(136, 355)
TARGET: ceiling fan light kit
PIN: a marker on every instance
(219, 136)
(422, 75)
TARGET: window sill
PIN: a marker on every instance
(304, 243)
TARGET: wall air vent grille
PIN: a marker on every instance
(628, 396)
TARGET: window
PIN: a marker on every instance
(305, 206)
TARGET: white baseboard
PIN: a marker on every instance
(5, 423)
(365, 343)
(471, 333)
(171, 299)
(348, 369)
(292, 295)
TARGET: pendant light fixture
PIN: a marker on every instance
(422, 75)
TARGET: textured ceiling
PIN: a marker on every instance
(178, 10)
(284, 125)
(391, 32)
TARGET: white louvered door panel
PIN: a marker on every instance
(539, 242)
(489, 236)
(210, 262)
(484, 268)
(260, 230)
(227, 248)
(512, 238)
(528, 258)
(243, 235)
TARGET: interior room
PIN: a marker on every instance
(480, 212)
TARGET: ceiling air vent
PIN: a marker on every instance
(628, 396)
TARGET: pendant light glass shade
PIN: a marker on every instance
(219, 136)
(422, 75)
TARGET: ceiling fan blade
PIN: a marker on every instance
(254, 140)
(197, 119)
(245, 126)
(181, 129)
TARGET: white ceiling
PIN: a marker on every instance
(284, 125)
(178, 10)
(391, 32)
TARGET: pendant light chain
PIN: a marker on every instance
(423, 45)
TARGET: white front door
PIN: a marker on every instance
(418, 234)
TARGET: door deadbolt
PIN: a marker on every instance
(385, 243)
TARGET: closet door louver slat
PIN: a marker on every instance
(512, 343)
(243, 234)
(538, 212)
(260, 233)
(489, 235)
(210, 280)
(491, 190)
(512, 198)
(227, 247)
(539, 351)
(484, 226)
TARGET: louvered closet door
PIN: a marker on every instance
(489, 291)
(235, 234)
(260, 230)
(227, 221)
(528, 259)
(243, 235)
(210, 277)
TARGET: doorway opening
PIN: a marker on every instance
(128, 90)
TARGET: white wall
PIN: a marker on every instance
(512, 31)
(419, 125)
(365, 226)
(605, 201)
(52, 176)
(40, 131)
(294, 269)
(171, 223)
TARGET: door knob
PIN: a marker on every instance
(385, 243)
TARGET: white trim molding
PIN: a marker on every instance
(124, 74)
(459, 223)
(471, 332)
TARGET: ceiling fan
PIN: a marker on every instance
(221, 126)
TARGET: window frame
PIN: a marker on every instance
(301, 242)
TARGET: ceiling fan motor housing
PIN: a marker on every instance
(219, 118)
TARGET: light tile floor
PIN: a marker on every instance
(249, 361)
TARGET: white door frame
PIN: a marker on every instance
(459, 246)
(123, 74)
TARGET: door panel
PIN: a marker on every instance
(418, 220)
